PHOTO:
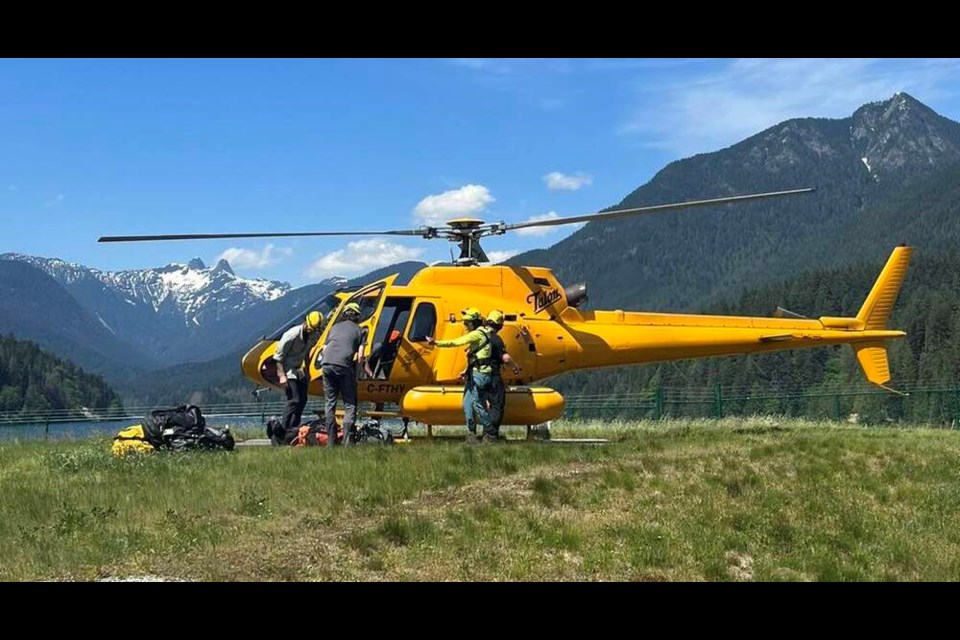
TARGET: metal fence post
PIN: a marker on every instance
(836, 407)
(719, 401)
(658, 399)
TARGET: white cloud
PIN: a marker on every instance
(468, 200)
(556, 180)
(716, 109)
(492, 65)
(250, 259)
(525, 68)
(362, 255)
(496, 257)
(538, 231)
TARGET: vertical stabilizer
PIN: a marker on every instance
(876, 309)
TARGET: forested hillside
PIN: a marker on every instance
(32, 380)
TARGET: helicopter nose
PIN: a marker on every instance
(257, 363)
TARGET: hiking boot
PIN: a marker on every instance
(472, 438)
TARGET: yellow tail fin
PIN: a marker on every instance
(872, 357)
(875, 313)
(876, 309)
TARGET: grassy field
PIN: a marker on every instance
(740, 499)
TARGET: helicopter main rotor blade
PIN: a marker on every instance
(215, 236)
(621, 213)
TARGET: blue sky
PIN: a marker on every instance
(119, 147)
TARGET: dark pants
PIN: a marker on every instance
(296, 391)
(497, 398)
(339, 381)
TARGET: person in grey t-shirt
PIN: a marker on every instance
(340, 372)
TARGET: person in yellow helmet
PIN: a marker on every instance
(477, 376)
(292, 349)
(340, 353)
(496, 396)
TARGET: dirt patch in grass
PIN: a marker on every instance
(354, 546)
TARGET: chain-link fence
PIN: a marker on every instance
(934, 404)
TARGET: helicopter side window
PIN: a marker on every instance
(368, 303)
(393, 317)
(424, 322)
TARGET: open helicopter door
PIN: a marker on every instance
(370, 300)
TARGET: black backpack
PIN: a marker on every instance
(371, 432)
(184, 427)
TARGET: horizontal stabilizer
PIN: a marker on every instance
(872, 357)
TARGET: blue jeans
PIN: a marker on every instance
(475, 393)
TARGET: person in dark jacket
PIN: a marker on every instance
(496, 395)
(340, 372)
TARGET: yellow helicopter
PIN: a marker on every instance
(545, 331)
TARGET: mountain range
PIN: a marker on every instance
(888, 174)
(880, 176)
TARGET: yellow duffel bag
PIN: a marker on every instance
(131, 440)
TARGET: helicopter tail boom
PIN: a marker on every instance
(607, 338)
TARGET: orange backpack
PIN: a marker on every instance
(313, 435)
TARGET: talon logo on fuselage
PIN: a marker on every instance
(543, 299)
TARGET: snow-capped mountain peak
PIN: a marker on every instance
(191, 292)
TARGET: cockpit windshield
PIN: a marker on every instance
(324, 305)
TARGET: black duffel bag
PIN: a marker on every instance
(184, 427)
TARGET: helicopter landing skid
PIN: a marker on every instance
(538, 431)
